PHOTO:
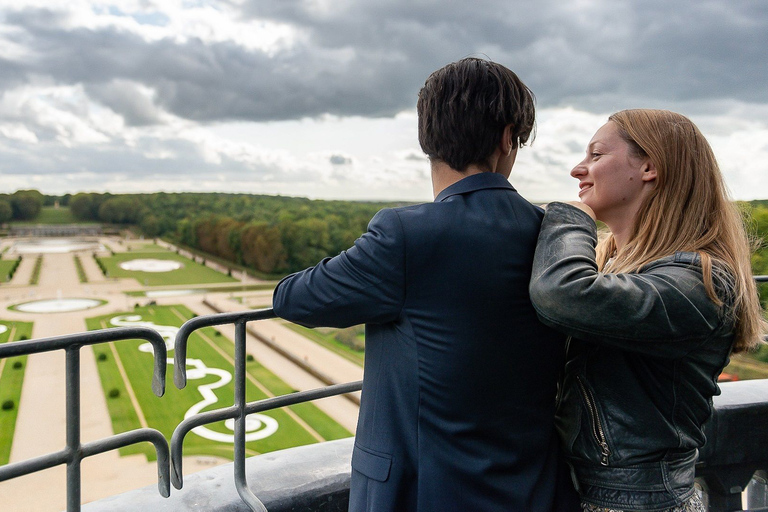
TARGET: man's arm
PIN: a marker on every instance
(365, 284)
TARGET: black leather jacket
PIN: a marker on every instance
(643, 357)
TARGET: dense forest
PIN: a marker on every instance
(270, 234)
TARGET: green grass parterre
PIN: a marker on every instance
(6, 266)
(33, 280)
(190, 272)
(52, 215)
(80, 270)
(164, 414)
(11, 379)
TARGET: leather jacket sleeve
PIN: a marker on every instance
(662, 310)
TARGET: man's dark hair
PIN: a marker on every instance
(464, 107)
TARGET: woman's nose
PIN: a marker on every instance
(579, 170)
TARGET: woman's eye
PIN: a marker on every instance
(595, 155)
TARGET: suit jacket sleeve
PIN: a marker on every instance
(364, 284)
(662, 311)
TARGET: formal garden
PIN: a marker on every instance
(157, 266)
(125, 369)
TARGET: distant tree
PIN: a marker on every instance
(150, 226)
(6, 211)
(227, 237)
(307, 241)
(83, 206)
(26, 204)
(205, 234)
(262, 247)
(186, 232)
(120, 210)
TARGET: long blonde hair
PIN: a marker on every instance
(688, 210)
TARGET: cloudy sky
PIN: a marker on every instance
(317, 97)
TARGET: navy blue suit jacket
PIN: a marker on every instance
(460, 377)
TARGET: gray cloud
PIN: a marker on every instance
(126, 99)
(369, 58)
(357, 59)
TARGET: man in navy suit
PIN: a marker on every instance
(460, 377)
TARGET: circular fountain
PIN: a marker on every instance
(54, 246)
(151, 265)
(57, 305)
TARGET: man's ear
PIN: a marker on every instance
(506, 144)
(649, 173)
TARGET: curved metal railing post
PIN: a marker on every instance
(74, 452)
(241, 481)
(237, 412)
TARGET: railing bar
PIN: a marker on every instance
(52, 343)
(121, 440)
(73, 427)
(302, 396)
(182, 336)
(241, 481)
(132, 437)
(27, 347)
(26, 467)
(228, 318)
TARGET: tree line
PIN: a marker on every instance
(21, 205)
(270, 234)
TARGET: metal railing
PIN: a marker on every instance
(241, 408)
(169, 462)
(74, 452)
(723, 495)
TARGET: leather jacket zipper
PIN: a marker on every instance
(561, 379)
(597, 426)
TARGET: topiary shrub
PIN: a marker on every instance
(101, 357)
(23, 337)
(17, 365)
(8, 405)
(114, 393)
(249, 357)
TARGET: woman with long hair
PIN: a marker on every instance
(653, 311)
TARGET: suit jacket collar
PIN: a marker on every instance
(475, 182)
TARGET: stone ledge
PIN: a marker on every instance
(306, 478)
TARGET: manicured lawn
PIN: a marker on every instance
(189, 273)
(214, 352)
(5, 269)
(51, 215)
(326, 338)
(11, 377)
(147, 247)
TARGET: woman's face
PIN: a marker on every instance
(612, 181)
